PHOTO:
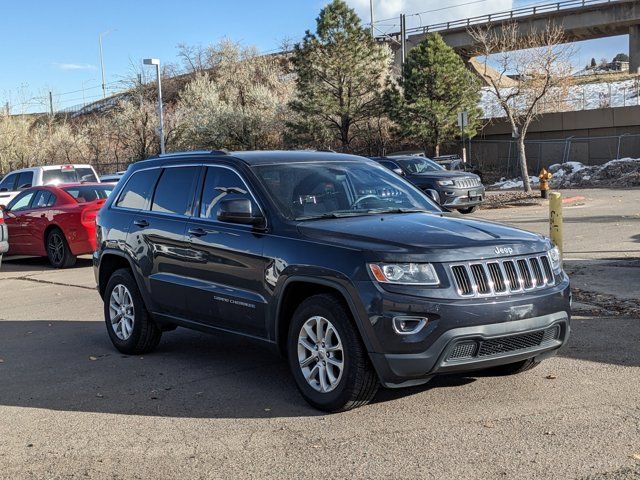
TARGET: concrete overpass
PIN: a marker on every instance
(581, 20)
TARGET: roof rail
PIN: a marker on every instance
(175, 154)
(325, 150)
(222, 151)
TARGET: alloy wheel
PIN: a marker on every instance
(121, 312)
(56, 248)
(320, 354)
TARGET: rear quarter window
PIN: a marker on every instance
(137, 192)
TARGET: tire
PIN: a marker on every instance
(58, 250)
(134, 333)
(513, 368)
(356, 383)
(466, 211)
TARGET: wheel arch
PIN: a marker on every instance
(110, 261)
(298, 288)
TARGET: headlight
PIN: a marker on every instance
(445, 183)
(404, 273)
(556, 259)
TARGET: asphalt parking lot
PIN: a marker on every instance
(205, 406)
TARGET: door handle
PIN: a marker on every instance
(197, 232)
(43, 215)
(141, 223)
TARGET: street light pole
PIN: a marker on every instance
(104, 85)
(371, 11)
(156, 62)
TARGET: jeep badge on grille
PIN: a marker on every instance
(504, 251)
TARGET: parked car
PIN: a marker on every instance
(456, 164)
(55, 222)
(4, 237)
(453, 190)
(348, 269)
(16, 181)
(113, 177)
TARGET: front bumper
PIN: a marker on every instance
(461, 197)
(496, 330)
(489, 345)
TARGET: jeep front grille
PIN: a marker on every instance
(501, 277)
(467, 182)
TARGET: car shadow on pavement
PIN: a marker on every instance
(72, 366)
(38, 264)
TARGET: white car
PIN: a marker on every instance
(14, 182)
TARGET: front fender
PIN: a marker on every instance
(329, 279)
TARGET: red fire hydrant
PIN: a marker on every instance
(544, 177)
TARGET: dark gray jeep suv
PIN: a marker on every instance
(452, 190)
(349, 270)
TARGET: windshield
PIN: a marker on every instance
(418, 165)
(86, 194)
(334, 189)
(68, 175)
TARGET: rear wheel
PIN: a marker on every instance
(58, 250)
(130, 327)
(513, 368)
(468, 210)
(327, 358)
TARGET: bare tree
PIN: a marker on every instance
(536, 66)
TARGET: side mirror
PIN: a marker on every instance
(239, 211)
(399, 171)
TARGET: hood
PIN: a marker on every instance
(423, 237)
(439, 175)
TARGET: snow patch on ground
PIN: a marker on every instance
(623, 172)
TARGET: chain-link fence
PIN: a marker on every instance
(499, 158)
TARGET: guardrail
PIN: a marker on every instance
(509, 15)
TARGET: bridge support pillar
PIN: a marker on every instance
(634, 49)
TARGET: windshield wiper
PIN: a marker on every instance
(333, 215)
(398, 210)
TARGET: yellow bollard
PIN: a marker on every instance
(555, 219)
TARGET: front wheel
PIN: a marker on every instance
(468, 210)
(327, 358)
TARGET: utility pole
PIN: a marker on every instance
(371, 12)
(50, 103)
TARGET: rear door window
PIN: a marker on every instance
(43, 199)
(8, 183)
(174, 193)
(137, 192)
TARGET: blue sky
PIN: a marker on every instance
(47, 45)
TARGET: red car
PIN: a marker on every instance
(58, 222)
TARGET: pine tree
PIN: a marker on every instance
(594, 64)
(341, 73)
(435, 85)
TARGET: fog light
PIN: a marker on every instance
(404, 325)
